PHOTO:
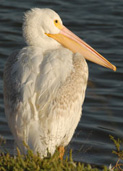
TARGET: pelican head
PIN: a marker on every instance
(44, 28)
(38, 22)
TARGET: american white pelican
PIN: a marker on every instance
(45, 83)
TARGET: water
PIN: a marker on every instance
(99, 23)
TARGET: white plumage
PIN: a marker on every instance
(44, 85)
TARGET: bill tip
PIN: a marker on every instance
(114, 68)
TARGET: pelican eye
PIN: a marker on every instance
(56, 21)
(58, 24)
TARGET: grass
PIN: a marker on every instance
(32, 162)
(118, 152)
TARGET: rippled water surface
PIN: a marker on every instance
(99, 23)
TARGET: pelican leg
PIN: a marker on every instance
(61, 152)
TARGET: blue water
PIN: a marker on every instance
(99, 23)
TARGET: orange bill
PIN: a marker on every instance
(75, 44)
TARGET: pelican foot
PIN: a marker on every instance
(61, 152)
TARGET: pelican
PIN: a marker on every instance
(45, 83)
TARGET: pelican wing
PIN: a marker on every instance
(31, 81)
(20, 75)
